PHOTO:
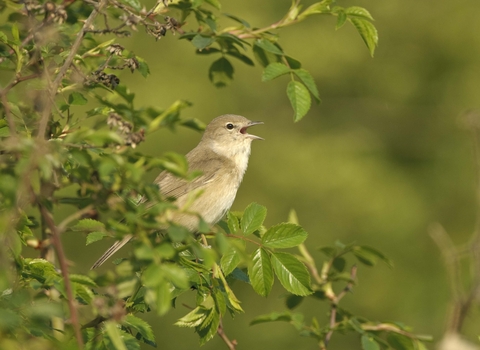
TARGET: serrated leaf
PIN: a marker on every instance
(221, 72)
(291, 273)
(208, 332)
(88, 225)
(115, 335)
(368, 343)
(230, 260)
(358, 12)
(367, 31)
(233, 223)
(95, 236)
(308, 81)
(77, 99)
(140, 326)
(341, 19)
(299, 99)
(193, 318)
(274, 70)
(253, 218)
(267, 45)
(286, 235)
(202, 41)
(260, 272)
(82, 279)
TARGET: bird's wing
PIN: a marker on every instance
(172, 186)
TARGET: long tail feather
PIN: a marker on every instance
(110, 251)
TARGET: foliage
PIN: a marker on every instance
(72, 144)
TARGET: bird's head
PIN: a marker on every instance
(228, 134)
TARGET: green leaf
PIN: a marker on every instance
(214, 3)
(291, 273)
(95, 236)
(140, 326)
(293, 63)
(15, 34)
(115, 335)
(341, 19)
(367, 31)
(230, 260)
(208, 330)
(232, 222)
(253, 218)
(133, 3)
(221, 72)
(292, 301)
(143, 67)
(319, 7)
(285, 316)
(88, 225)
(286, 235)
(299, 99)
(260, 272)
(268, 46)
(237, 19)
(274, 70)
(82, 279)
(202, 41)
(308, 81)
(369, 256)
(245, 59)
(77, 98)
(400, 342)
(193, 318)
(358, 12)
(368, 343)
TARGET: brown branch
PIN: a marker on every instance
(68, 61)
(231, 344)
(57, 243)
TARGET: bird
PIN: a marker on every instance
(221, 157)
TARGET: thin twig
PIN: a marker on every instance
(333, 312)
(231, 344)
(68, 61)
(75, 216)
(57, 243)
(310, 263)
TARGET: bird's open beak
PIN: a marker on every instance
(244, 131)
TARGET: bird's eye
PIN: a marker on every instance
(229, 126)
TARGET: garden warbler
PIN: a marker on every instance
(222, 158)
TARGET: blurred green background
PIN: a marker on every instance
(382, 157)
